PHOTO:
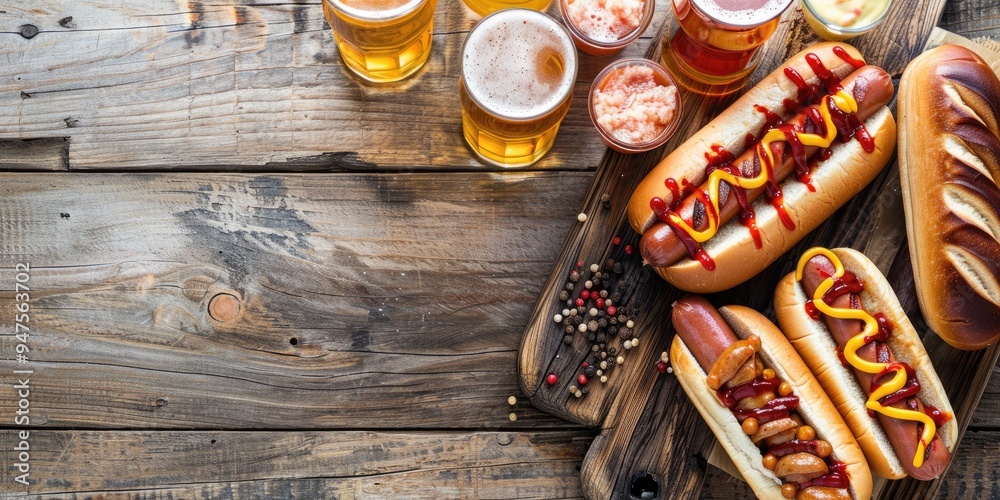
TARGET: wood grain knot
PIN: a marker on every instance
(224, 307)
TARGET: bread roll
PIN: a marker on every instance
(949, 162)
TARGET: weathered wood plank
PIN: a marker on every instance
(295, 301)
(195, 84)
(972, 18)
(34, 154)
(351, 464)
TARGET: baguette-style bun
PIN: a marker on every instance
(818, 349)
(836, 180)
(815, 407)
(949, 164)
(730, 128)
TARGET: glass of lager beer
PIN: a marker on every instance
(382, 40)
(486, 7)
(517, 74)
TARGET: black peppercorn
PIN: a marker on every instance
(568, 339)
(590, 371)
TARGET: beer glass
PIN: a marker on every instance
(717, 41)
(487, 7)
(382, 40)
(517, 74)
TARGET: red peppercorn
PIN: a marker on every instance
(612, 310)
(585, 294)
(582, 379)
(585, 364)
(579, 302)
(552, 379)
(616, 241)
(599, 303)
(579, 263)
(628, 249)
(660, 367)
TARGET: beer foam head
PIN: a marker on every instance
(743, 12)
(519, 63)
(375, 9)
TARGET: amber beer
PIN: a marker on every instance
(718, 39)
(382, 40)
(486, 7)
(517, 75)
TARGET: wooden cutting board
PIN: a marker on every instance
(651, 437)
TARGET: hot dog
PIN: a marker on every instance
(765, 407)
(833, 131)
(845, 321)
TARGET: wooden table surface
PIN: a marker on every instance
(253, 276)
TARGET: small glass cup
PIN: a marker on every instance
(640, 110)
(820, 16)
(382, 40)
(487, 7)
(600, 30)
(518, 71)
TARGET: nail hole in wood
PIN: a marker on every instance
(28, 30)
(293, 341)
(644, 486)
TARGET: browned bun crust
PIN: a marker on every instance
(814, 343)
(949, 164)
(836, 180)
(730, 128)
(814, 406)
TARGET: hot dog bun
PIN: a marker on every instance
(836, 180)
(949, 164)
(730, 128)
(818, 349)
(814, 407)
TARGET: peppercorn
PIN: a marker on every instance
(605, 197)
(574, 276)
(600, 336)
(582, 379)
(661, 367)
(551, 379)
(563, 295)
(569, 286)
(594, 268)
(569, 328)
(592, 337)
(589, 371)
(592, 325)
(568, 340)
(584, 391)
